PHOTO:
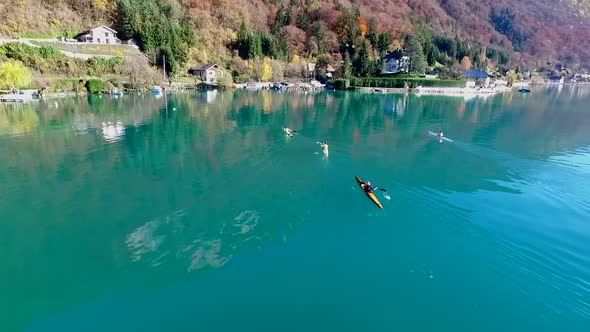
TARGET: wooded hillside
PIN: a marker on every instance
(278, 33)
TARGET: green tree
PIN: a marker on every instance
(254, 47)
(303, 20)
(13, 74)
(158, 26)
(416, 54)
(266, 44)
(318, 30)
(376, 67)
(242, 41)
(362, 62)
(383, 42)
(346, 66)
(372, 35)
(503, 21)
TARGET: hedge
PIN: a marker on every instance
(94, 86)
(400, 82)
(341, 84)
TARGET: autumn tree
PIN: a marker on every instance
(511, 78)
(139, 73)
(13, 74)
(266, 70)
(277, 70)
(362, 26)
(347, 28)
(465, 63)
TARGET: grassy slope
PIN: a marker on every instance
(115, 50)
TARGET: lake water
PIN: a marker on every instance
(196, 213)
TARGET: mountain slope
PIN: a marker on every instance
(531, 31)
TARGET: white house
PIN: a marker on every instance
(206, 72)
(99, 35)
(395, 62)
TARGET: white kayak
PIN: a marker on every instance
(436, 135)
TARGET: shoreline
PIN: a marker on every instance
(439, 91)
(465, 92)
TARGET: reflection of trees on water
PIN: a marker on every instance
(17, 119)
(168, 237)
(165, 194)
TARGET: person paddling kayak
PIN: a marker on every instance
(324, 147)
(369, 187)
(440, 134)
(288, 131)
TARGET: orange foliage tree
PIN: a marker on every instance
(362, 25)
(465, 63)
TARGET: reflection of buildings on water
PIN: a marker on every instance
(112, 131)
(397, 105)
(211, 95)
(579, 91)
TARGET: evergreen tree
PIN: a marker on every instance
(303, 20)
(279, 22)
(254, 47)
(362, 62)
(376, 67)
(159, 29)
(416, 54)
(242, 42)
(266, 44)
(346, 66)
(372, 32)
(319, 31)
(383, 42)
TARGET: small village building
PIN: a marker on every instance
(480, 76)
(207, 73)
(556, 79)
(330, 71)
(395, 62)
(99, 35)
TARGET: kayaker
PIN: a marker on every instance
(440, 134)
(368, 187)
(288, 131)
(324, 147)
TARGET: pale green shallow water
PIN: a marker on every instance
(120, 215)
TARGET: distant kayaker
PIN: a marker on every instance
(288, 131)
(324, 147)
(440, 134)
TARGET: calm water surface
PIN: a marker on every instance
(195, 213)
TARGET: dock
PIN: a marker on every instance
(11, 100)
(19, 96)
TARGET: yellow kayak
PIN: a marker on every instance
(370, 195)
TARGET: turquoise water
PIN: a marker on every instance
(196, 213)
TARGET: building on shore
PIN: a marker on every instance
(395, 62)
(99, 35)
(206, 72)
(481, 77)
